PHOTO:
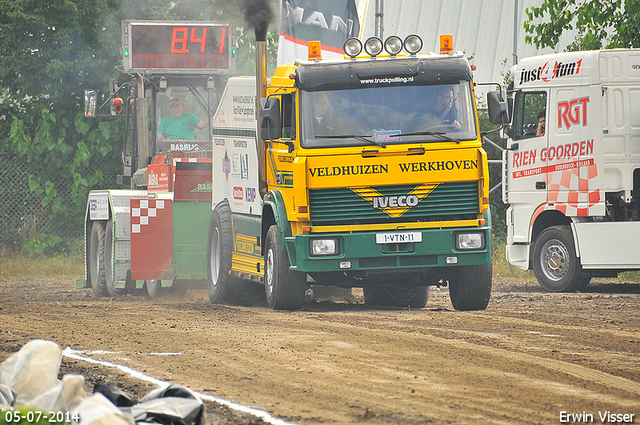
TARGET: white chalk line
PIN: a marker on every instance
(265, 416)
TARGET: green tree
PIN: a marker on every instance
(599, 23)
(49, 53)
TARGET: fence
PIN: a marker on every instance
(22, 214)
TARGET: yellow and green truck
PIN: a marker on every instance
(366, 171)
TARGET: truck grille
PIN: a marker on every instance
(448, 201)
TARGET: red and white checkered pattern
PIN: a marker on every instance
(148, 210)
(571, 193)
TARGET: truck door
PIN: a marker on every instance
(572, 174)
(526, 165)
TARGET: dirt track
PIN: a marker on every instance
(526, 359)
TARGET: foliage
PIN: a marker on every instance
(609, 24)
(48, 55)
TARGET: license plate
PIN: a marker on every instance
(399, 237)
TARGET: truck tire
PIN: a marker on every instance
(221, 286)
(583, 283)
(413, 297)
(470, 287)
(219, 253)
(555, 263)
(97, 259)
(285, 288)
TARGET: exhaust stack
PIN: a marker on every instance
(258, 14)
(261, 92)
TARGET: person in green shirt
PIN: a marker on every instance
(179, 125)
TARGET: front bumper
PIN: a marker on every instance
(359, 251)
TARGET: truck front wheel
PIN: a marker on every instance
(555, 263)
(97, 261)
(470, 287)
(285, 288)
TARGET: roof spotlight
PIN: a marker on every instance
(413, 44)
(393, 45)
(352, 47)
(373, 46)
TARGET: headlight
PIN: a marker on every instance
(393, 45)
(413, 44)
(352, 47)
(324, 247)
(373, 46)
(467, 241)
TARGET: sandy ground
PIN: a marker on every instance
(530, 358)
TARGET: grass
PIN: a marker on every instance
(24, 266)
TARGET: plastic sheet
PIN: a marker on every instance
(29, 378)
(33, 370)
(98, 410)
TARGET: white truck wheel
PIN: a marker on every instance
(555, 263)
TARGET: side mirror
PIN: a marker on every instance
(270, 121)
(90, 99)
(498, 108)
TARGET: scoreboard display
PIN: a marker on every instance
(168, 46)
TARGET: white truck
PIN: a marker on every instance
(572, 185)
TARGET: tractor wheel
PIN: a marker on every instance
(97, 263)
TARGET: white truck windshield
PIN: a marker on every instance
(388, 115)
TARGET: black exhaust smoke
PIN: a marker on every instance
(258, 14)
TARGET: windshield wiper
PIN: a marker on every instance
(431, 133)
(354, 136)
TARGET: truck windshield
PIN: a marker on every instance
(388, 115)
(182, 116)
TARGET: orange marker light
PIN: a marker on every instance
(446, 44)
(315, 51)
